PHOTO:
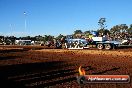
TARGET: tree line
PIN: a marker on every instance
(117, 31)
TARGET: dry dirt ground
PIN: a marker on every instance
(35, 67)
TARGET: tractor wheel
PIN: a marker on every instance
(108, 46)
(100, 46)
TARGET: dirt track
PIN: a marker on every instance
(58, 68)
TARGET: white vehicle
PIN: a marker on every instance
(23, 42)
(99, 42)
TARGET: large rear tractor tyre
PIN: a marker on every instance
(100, 46)
(108, 46)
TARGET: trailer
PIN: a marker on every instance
(98, 42)
(107, 45)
